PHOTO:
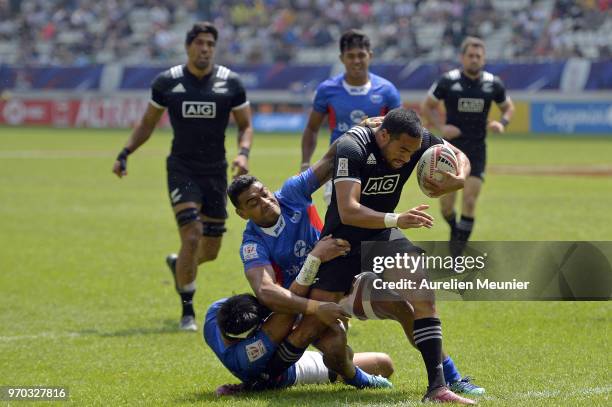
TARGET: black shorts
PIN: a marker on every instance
(185, 185)
(337, 275)
(477, 154)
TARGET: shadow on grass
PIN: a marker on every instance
(169, 326)
(324, 395)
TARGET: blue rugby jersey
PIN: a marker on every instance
(285, 245)
(346, 105)
(247, 359)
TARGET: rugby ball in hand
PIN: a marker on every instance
(437, 157)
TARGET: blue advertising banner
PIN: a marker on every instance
(51, 77)
(570, 118)
(304, 78)
(279, 122)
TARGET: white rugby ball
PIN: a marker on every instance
(437, 157)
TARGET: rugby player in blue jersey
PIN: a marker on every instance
(244, 335)
(346, 99)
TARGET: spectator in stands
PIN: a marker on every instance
(268, 31)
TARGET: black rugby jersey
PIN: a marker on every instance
(468, 101)
(199, 112)
(359, 158)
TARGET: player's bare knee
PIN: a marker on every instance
(335, 338)
(209, 254)
(469, 204)
(307, 332)
(385, 365)
(191, 235)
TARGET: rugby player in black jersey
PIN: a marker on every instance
(370, 170)
(199, 96)
(467, 95)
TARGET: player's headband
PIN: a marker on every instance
(243, 335)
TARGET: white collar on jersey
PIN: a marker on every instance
(276, 229)
(357, 90)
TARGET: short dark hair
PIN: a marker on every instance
(399, 121)
(354, 39)
(239, 314)
(238, 186)
(471, 42)
(199, 28)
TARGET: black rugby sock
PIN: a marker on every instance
(451, 220)
(461, 235)
(428, 339)
(187, 301)
(286, 354)
(464, 228)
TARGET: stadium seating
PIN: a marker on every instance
(266, 31)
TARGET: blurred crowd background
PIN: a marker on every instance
(80, 32)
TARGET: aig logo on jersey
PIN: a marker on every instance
(381, 185)
(199, 110)
(470, 105)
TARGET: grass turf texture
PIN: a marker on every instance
(87, 302)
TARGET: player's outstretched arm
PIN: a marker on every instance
(353, 213)
(242, 116)
(139, 136)
(272, 295)
(309, 137)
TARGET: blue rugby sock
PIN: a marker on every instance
(451, 374)
(361, 379)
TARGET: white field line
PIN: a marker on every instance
(513, 169)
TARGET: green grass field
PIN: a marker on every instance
(87, 302)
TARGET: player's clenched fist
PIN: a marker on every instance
(495, 126)
(329, 313)
(450, 132)
(120, 166)
(372, 122)
(415, 218)
(328, 248)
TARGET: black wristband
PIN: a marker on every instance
(124, 154)
(244, 151)
(504, 122)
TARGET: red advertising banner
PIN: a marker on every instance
(89, 112)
